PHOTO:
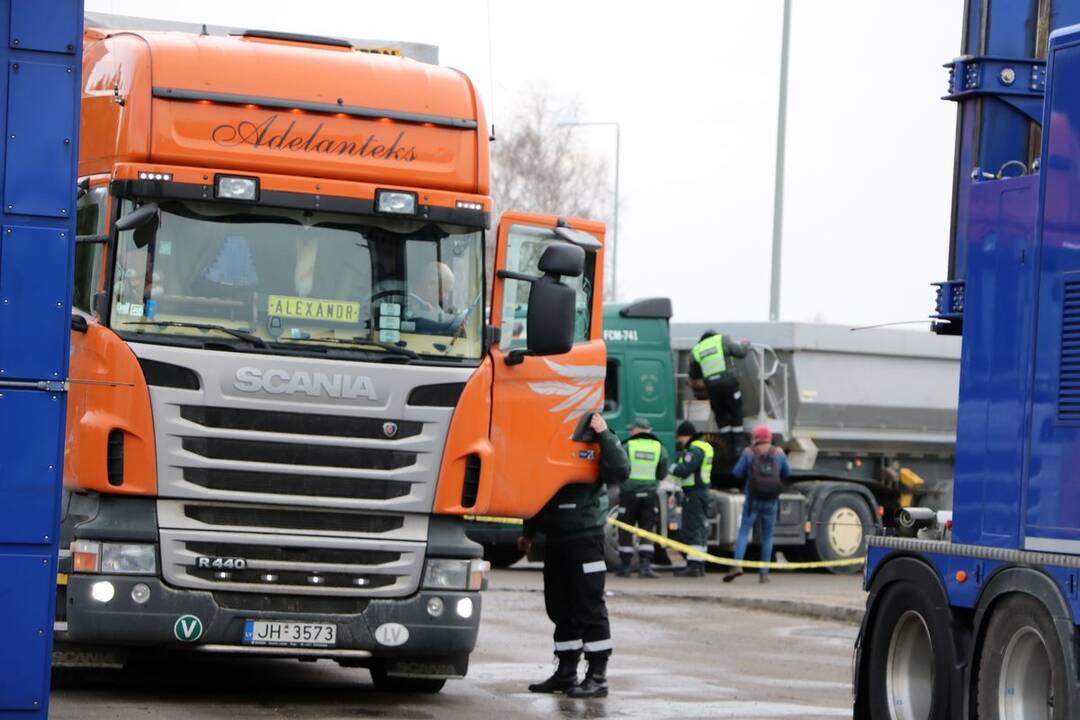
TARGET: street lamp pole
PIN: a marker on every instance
(615, 223)
(778, 191)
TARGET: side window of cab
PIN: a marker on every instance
(90, 220)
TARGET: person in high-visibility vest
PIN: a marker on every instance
(712, 362)
(638, 501)
(694, 469)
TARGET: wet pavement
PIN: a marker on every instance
(675, 658)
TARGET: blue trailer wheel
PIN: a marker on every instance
(907, 648)
(1022, 664)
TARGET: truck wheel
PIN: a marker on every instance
(1022, 665)
(841, 530)
(907, 679)
(501, 555)
(388, 683)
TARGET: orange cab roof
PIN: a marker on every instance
(273, 105)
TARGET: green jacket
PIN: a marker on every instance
(581, 509)
(632, 485)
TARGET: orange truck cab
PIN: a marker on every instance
(289, 377)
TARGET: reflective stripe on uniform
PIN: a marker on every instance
(598, 645)
(564, 645)
(644, 455)
(568, 506)
(626, 548)
(594, 566)
(709, 355)
(737, 394)
(645, 548)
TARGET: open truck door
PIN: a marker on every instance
(549, 360)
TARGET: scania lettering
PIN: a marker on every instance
(290, 379)
(278, 382)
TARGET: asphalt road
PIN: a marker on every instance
(674, 659)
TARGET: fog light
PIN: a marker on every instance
(102, 591)
(435, 607)
(236, 188)
(397, 203)
(465, 608)
(140, 593)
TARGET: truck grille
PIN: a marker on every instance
(303, 485)
(299, 423)
(298, 565)
(297, 454)
(280, 519)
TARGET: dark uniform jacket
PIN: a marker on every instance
(689, 465)
(581, 509)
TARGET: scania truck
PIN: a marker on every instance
(285, 391)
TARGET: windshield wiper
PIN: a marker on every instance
(239, 334)
(361, 342)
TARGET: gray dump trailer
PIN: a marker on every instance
(868, 419)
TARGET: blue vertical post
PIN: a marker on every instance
(41, 44)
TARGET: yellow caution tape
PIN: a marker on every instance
(61, 579)
(702, 555)
(494, 519)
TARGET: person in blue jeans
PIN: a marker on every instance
(762, 467)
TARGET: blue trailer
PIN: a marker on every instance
(41, 49)
(975, 616)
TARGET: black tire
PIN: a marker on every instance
(501, 555)
(907, 655)
(1023, 653)
(387, 683)
(843, 524)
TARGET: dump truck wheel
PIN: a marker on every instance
(1022, 665)
(843, 523)
(908, 679)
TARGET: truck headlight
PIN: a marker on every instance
(456, 574)
(128, 559)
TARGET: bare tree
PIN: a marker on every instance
(539, 165)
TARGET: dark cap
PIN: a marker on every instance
(707, 334)
(686, 428)
(641, 424)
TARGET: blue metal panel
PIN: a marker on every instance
(990, 451)
(34, 315)
(29, 477)
(26, 625)
(40, 142)
(41, 99)
(60, 33)
(1052, 482)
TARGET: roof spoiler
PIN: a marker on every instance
(649, 308)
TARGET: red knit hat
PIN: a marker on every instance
(761, 434)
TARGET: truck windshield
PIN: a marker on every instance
(298, 278)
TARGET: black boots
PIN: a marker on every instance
(624, 565)
(694, 568)
(645, 568)
(564, 678)
(595, 683)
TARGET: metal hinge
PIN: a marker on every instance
(46, 385)
(1020, 82)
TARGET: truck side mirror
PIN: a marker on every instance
(551, 313)
(144, 220)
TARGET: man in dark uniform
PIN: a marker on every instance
(573, 523)
(712, 362)
(637, 496)
(695, 470)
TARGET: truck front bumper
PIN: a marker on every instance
(447, 639)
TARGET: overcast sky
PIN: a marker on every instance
(694, 86)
